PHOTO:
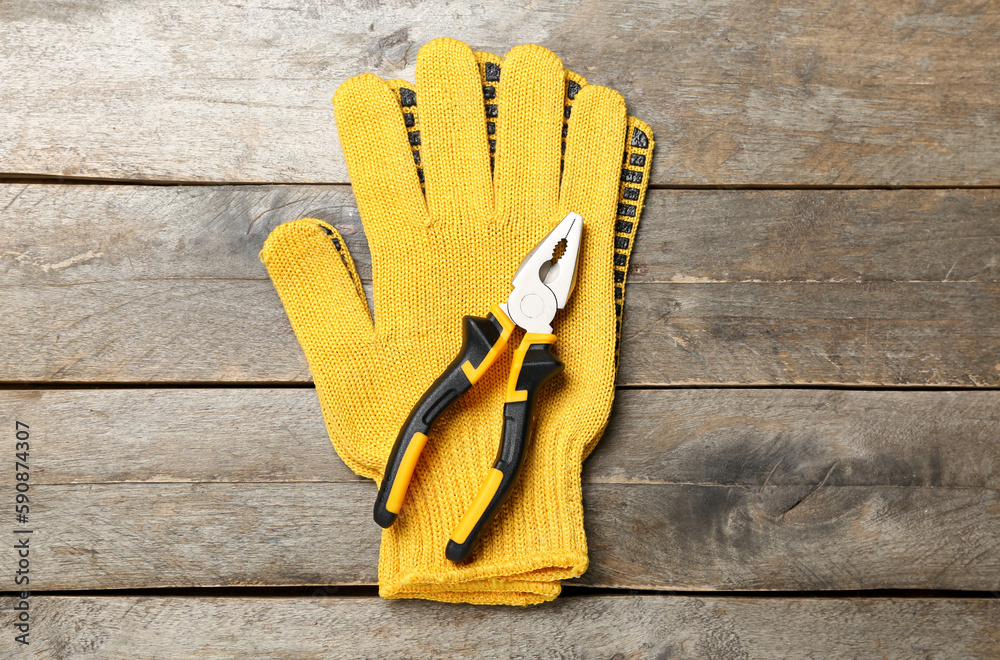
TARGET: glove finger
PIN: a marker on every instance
(376, 147)
(489, 71)
(529, 135)
(318, 285)
(594, 147)
(453, 134)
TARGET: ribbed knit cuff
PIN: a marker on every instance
(536, 541)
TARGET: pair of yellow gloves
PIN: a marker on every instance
(456, 179)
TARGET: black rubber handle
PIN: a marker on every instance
(533, 365)
(483, 339)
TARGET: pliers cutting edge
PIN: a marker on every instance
(542, 285)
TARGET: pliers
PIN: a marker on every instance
(541, 286)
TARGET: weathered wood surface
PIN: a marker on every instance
(725, 437)
(73, 234)
(634, 627)
(690, 489)
(126, 283)
(737, 92)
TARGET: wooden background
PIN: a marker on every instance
(809, 396)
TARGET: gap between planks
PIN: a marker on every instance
(253, 385)
(29, 179)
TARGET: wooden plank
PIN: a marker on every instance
(647, 536)
(113, 283)
(843, 334)
(863, 93)
(235, 331)
(725, 437)
(58, 234)
(702, 490)
(596, 627)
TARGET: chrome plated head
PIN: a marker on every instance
(546, 277)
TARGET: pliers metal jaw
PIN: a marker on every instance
(546, 277)
(542, 285)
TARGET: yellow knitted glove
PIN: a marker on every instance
(451, 250)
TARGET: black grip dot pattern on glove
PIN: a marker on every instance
(345, 257)
(407, 97)
(635, 170)
(489, 72)
(574, 84)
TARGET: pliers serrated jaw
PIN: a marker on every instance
(546, 277)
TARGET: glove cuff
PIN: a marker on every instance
(536, 541)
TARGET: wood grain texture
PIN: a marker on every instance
(649, 536)
(726, 437)
(634, 627)
(710, 490)
(737, 92)
(125, 283)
